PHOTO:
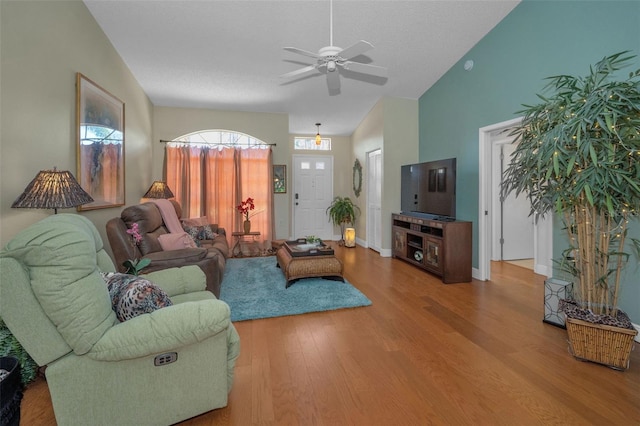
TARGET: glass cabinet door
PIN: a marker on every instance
(432, 253)
(399, 242)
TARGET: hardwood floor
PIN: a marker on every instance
(424, 353)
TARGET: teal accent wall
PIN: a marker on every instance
(536, 40)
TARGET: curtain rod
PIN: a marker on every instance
(218, 144)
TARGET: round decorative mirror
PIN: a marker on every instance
(357, 178)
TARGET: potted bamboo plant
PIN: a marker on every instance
(342, 211)
(578, 154)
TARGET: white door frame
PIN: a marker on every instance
(371, 223)
(487, 137)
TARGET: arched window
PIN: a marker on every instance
(223, 138)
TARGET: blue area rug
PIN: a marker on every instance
(255, 288)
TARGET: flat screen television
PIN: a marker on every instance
(429, 189)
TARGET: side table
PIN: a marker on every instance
(249, 237)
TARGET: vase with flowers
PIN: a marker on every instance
(245, 207)
(134, 266)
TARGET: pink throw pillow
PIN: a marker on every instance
(176, 241)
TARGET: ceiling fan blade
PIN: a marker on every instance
(355, 49)
(302, 52)
(365, 68)
(300, 72)
(333, 81)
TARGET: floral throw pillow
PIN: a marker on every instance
(132, 296)
(199, 233)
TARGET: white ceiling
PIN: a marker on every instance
(228, 54)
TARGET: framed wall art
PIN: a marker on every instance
(100, 144)
(279, 179)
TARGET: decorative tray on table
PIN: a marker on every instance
(301, 248)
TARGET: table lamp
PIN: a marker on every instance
(52, 189)
(350, 237)
(159, 189)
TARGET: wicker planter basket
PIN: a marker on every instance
(600, 343)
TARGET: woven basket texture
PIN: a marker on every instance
(600, 343)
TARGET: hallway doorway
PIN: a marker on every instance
(489, 138)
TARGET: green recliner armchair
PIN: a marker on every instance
(101, 371)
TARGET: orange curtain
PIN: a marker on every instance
(184, 170)
(211, 182)
(221, 178)
(255, 181)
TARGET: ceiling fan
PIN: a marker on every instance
(331, 59)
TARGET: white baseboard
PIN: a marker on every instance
(543, 270)
(475, 273)
(637, 327)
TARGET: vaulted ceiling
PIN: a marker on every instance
(229, 55)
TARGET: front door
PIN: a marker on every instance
(312, 194)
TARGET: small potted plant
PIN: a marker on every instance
(134, 266)
(312, 239)
(10, 347)
(578, 154)
(342, 211)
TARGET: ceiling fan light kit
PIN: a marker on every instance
(330, 59)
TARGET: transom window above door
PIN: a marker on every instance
(310, 144)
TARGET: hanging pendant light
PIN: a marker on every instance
(318, 137)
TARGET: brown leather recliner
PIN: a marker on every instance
(210, 257)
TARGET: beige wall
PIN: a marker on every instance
(43, 45)
(400, 147)
(368, 136)
(392, 126)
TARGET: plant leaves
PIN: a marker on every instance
(594, 156)
(587, 192)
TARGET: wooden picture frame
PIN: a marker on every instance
(279, 179)
(99, 144)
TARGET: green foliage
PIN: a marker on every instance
(582, 143)
(341, 211)
(578, 155)
(312, 239)
(134, 266)
(9, 346)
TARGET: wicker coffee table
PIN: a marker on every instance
(298, 260)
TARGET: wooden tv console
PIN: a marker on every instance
(440, 247)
